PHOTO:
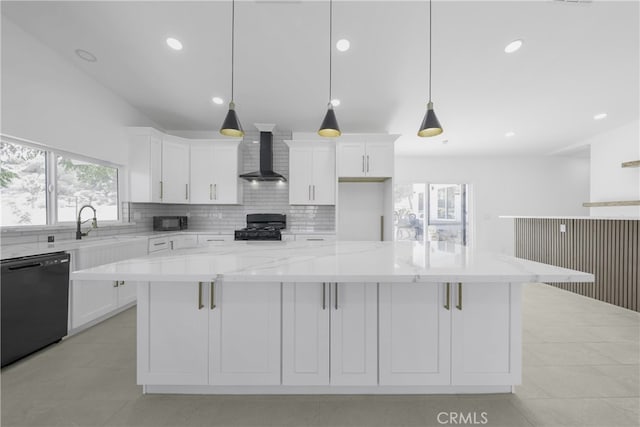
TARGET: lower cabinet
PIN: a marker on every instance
(486, 337)
(451, 333)
(415, 334)
(209, 333)
(329, 334)
(92, 299)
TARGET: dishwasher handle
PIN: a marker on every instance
(25, 266)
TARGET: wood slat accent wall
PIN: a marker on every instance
(609, 249)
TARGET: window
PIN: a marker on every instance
(81, 183)
(23, 183)
(27, 172)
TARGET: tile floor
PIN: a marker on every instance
(581, 368)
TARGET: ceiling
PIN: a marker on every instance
(578, 59)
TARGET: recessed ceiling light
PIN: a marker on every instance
(335, 102)
(217, 100)
(86, 55)
(343, 45)
(600, 116)
(513, 46)
(174, 43)
(509, 134)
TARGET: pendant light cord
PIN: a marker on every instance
(233, 31)
(430, 25)
(330, 50)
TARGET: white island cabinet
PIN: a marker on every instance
(329, 317)
(203, 333)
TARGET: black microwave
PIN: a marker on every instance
(169, 223)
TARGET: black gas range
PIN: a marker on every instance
(262, 227)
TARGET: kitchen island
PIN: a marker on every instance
(329, 317)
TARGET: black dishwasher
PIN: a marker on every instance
(34, 293)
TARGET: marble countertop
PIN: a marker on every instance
(623, 218)
(339, 261)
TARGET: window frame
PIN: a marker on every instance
(51, 170)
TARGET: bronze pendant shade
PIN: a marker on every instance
(430, 124)
(329, 126)
(231, 125)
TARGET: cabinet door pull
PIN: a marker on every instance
(121, 283)
(363, 164)
(459, 305)
(186, 191)
(215, 191)
(309, 192)
(210, 191)
(213, 295)
(200, 305)
(447, 298)
(324, 296)
(336, 296)
(314, 191)
(367, 163)
(115, 283)
(161, 188)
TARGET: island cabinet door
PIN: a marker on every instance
(354, 334)
(244, 333)
(415, 334)
(172, 333)
(305, 334)
(486, 334)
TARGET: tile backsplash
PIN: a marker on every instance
(260, 197)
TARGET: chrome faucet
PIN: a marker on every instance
(94, 222)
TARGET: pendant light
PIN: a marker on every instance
(231, 125)
(329, 126)
(430, 124)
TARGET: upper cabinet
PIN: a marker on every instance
(214, 172)
(175, 170)
(169, 169)
(365, 159)
(312, 173)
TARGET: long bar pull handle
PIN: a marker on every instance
(161, 190)
(215, 191)
(213, 295)
(200, 305)
(459, 305)
(447, 303)
(314, 191)
(336, 296)
(324, 295)
(210, 191)
(121, 283)
(309, 192)
(186, 191)
(363, 163)
(115, 283)
(367, 163)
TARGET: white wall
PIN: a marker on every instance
(49, 100)
(505, 186)
(609, 181)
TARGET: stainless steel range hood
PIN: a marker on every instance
(266, 172)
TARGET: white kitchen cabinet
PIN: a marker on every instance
(158, 244)
(213, 239)
(415, 334)
(244, 332)
(173, 341)
(145, 165)
(305, 333)
(214, 172)
(94, 299)
(328, 339)
(312, 177)
(175, 170)
(365, 159)
(209, 333)
(485, 336)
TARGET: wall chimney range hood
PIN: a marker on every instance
(266, 172)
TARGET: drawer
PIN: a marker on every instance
(158, 244)
(212, 239)
(315, 237)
